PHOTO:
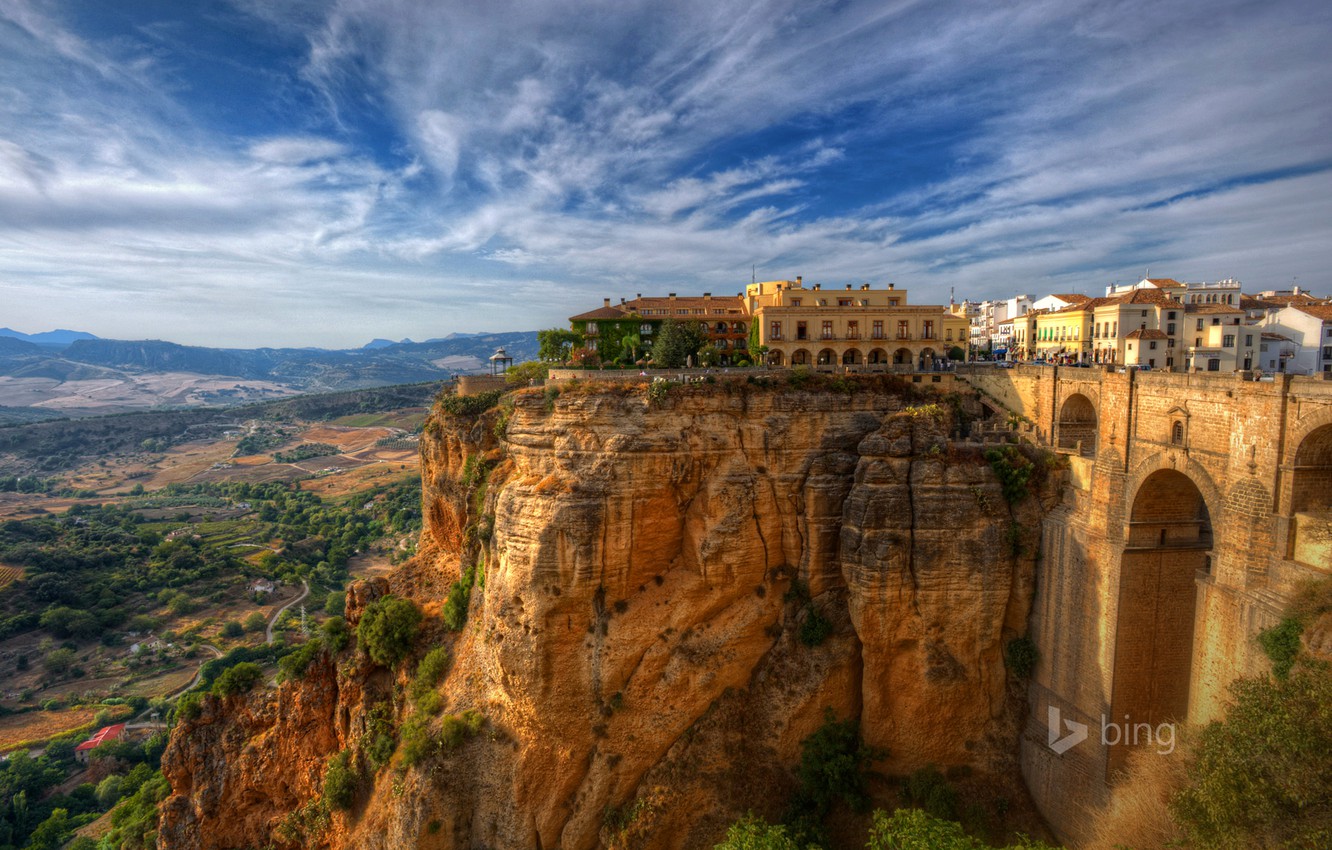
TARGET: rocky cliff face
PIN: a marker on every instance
(648, 571)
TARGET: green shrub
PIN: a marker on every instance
(378, 744)
(340, 782)
(815, 628)
(417, 743)
(387, 629)
(237, 679)
(454, 612)
(928, 789)
(429, 673)
(1281, 644)
(294, 664)
(335, 634)
(1021, 655)
(469, 405)
(1013, 470)
(232, 629)
(833, 766)
(913, 829)
(256, 622)
(190, 706)
(754, 833)
(1262, 777)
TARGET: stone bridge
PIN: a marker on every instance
(1197, 505)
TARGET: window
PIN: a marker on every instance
(1327, 352)
(1115, 332)
(1197, 342)
(1153, 345)
(927, 329)
(1213, 365)
(802, 332)
(1229, 341)
(1144, 314)
(645, 329)
(590, 329)
(827, 329)
(892, 302)
(904, 329)
(1177, 433)
(845, 302)
(853, 329)
(1200, 324)
(1170, 343)
(1171, 315)
(878, 329)
(1170, 328)
(776, 331)
(948, 334)
(795, 302)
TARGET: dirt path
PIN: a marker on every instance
(217, 653)
(278, 612)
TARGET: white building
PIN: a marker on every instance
(1309, 327)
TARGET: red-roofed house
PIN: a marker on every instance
(102, 736)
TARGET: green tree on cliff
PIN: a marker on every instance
(676, 343)
(556, 344)
(388, 628)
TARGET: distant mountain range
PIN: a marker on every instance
(86, 374)
(56, 338)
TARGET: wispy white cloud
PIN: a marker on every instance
(588, 146)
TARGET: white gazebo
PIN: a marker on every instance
(500, 362)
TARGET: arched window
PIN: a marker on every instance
(1177, 433)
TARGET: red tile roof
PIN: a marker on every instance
(1164, 282)
(1149, 333)
(106, 733)
(600, 313)
(1212, 308)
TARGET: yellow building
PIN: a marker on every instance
(1066, 335)
(860, 328)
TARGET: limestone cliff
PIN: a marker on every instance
(648, 568)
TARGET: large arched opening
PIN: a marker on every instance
(1168, 548)
(878, 356)
(902, 357)
(1077, 425)
(851, 357)
(1311, 499)
(827, 357)
(800, 357)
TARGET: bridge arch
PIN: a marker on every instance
(1077, 425)
(1167, 546)
(1311, 498)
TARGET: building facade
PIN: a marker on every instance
(826, 328)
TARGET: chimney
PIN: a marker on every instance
(890, 286)
(638, 295)
(818, 286)
(622, 300)
(848, 287)
(707, 296)
(605, 302)
(864, 287)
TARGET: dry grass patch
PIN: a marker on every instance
(1139, 812)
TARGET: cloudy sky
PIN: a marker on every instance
(298, 172)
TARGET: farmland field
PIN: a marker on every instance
(37, 726)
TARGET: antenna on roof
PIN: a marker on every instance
(753, 274)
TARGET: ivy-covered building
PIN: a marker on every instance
(611, 328)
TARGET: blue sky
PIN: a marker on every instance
(260, 172)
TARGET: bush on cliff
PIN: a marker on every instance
(469, 405)
(340, 782)
(237, 680)
(387, 629)
(913, 829)
(754, 833)
(1263, 776)
(833, 764)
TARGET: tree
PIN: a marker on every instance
(556, 344)
(754, 833)
(676, 343)
(629, 346)
(913, 829)
(256, 622)
(232, 629)
(237, 679)
(1263, 776)
(388, 628)
(59, 661)
(335, 604)
(525, 373)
